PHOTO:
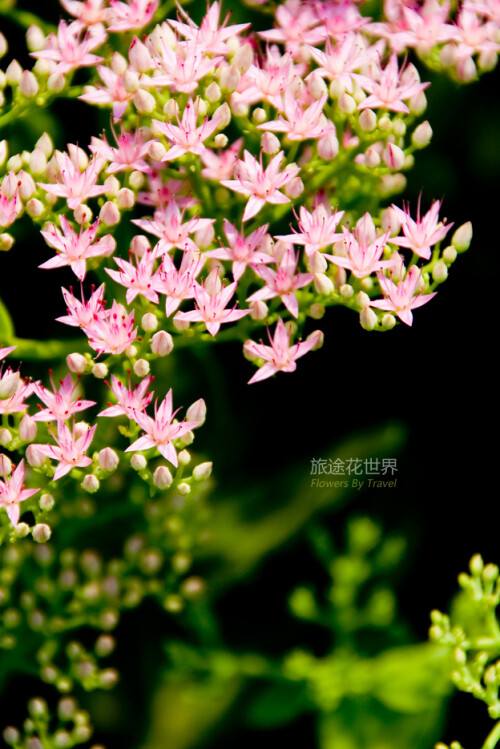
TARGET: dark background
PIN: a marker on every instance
(438, 378)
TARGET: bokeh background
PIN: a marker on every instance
(425, 395)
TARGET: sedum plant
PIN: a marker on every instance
(246, 180)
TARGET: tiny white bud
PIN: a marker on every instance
(362, 299)
(346, 291)
(131, 351)
(27, 428)
(462, 237)
(141, 367)
(136, 180)
(243, 57)
(5, 437)
(323, 284)
(5, 465)
(144, 102)
(82, 214)
(76, 363)
(368, 120)
(368, 318)
(388, 321)
(440, 272)
(22, 530)
(138, 462)
(184, 489)
(259, 115)
(230, 78)
(34, 457)
(41, 533)
(270, 143)
(202, 471)
(213, 92)
(14, 73)
(112, 186)
(90, 483)
(100, 370)
(149, 322)
(184, 457)
(110, 214)
(224, 113)
(28, 84)
(162, 478)
(221, 140)
(108, 459)
(6, 242)
(450, 254)
(3, 45)
(258, 310)
(347, 103)
(197, 412)
(139, 245)
(157, 151)
(46, 502)
(125, 199)
(56, 82)
(162, 343)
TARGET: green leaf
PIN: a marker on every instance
(278, 704)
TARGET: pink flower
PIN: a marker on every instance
(404, 296)
(71, 448)
(161, 431)
(210, 37)
(75, 249)
(364, 249)
(270, 81)
(134, 14)
(10, 208)
(211, 301)
(178, 285)
(113, 92)
(181, 69)
(298, 25)
(112, 331)
(388, 92)
(82, 313)
(13, 391)
(219, 166)
(72, 183)
(187, 137)
(12, 493)
(61, 404)
(283, 282)
(67, 50)
(280, 355)
(130, 402)
(261, 185)
(242, 250)
(88, 13)
(161, 193)
(420, 235)
(137, 279)
(317, 229)
(339, 61)
(300, 123)
(171, 231)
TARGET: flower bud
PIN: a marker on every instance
(372, 157)
(362, 299)
(14, 73)
(391, 221)
(130, 81)
(316, 85)
(149, 322)
(35, 208)
(44, 143)
(259, 115)
(323, 284)
(422, 135)
(41, 533)
(418, 103)
(162, 478)
(139, 245)
(347, 103)
(138, 462)
(27, 428)
(110, 214)
(35, 38)
(368, 120)
(197, 412)
(393, 156)
(139, 56)
(157, 151)
(125, 199)
(22, 530)
(258, 310)
(76, 363)
(270, 143)
(9, 384)
(108, 459)
(450, 254)
(3, 45)
(230, 78)
(144, 102)
(6, 242)
(171, 108)
(213, 92)
(294, 188)
(46, 502)
(5, 465)
(204, 237)
(317, 311)
(243, 57)
(56, 82)
(221, 140)
(202, 471)
(440, 272)
(5, 437)
(184, 489)
(368, 318)
(388, 321)
(328, 146)
(137, 179)
(112, 186)
(141, 368)
(462, 237)
(82, 214)
(100, 371)
(224, 113)
(162, 343)
(28, 84)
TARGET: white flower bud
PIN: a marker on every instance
(184, 458)
(137, 179)
(44, 143)
(14, 73)
(108, 459)
(171, 108)
(110, 214)
(76, 363)
(393, 156)
(224, 113)
(440, 271)
(28, 84)
(243, 57)
(4, 151)
(230, 78)
(5, 438)
(131, 351)
(347, 104)
(368, 120)
(34, 457)
(213, 92)
(130, 81)
(141, 367)
(41, 533)
(197, 412)
(184, 489)
(450, 254)
(139, 56)
(56, 82)
(125, 198)
(391, 221)
(5, 464)
(144, 102)
(22, 530)
(462, 237)
(37, 162)
(259, 115)
(270, 143)
(180, 325)
(388, 321)
(46, 502)
(6, 242)
(328, 146)
(91, 484)
(162, 343)
(138, 462)
(157, 151)
(112, 186)
(422, 135)
(139, 245)
(202, 471)
(294, 188)
(100, 370)
(368, 318)
(323, 284)
(317, 311)
(27, 428)
(316, 85)
(149, 322)
(372, 158)
(118, 63)
(362, 299)
(221, 140)
(3, 45)
(82, 214)
(9, 384)
(162, 478)
(258, 310)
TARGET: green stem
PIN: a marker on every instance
(493, 738)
